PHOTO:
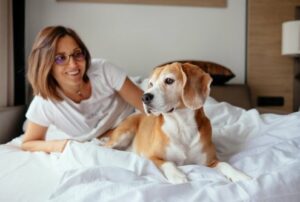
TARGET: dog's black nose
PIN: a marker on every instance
(147, 97)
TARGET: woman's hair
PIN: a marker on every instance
(41, 60)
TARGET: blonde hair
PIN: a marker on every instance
(41, 60)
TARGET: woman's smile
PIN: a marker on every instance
(73, 72)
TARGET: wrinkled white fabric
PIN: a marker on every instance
(266, 147)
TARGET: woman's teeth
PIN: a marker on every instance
(73, 73)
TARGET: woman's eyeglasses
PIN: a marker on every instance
(63, 59)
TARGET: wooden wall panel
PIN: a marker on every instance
(207, 3)
(268, 72)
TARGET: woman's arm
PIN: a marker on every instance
(34, 140)
(132, 94)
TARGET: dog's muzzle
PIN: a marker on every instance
(147, 98)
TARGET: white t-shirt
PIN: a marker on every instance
(89, 118)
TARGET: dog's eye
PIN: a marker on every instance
(169, 81)
(150, 84)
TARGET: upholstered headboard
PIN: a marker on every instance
(235, 94)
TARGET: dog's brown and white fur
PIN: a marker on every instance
(175, 130)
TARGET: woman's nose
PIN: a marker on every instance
(72, 62)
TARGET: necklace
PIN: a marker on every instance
(78, 92)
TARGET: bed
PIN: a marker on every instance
(265, 146)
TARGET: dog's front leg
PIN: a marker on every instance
(170, 170)
(230, 172)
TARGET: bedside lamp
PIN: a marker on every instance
(291, 38)
(291, 47)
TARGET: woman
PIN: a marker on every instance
(81, 97)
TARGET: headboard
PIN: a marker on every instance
(235, 94)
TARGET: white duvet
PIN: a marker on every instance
(266, 147)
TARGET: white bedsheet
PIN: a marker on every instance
(266, 147)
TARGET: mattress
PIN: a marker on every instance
(265, 146)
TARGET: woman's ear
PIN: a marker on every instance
(196, 86)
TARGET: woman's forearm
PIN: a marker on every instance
(46, 146)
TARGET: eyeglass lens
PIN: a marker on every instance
(62, 59)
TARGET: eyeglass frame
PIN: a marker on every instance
(67, 59)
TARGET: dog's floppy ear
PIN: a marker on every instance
(196, 86)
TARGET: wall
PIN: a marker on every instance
(269, 73)
(139, 37)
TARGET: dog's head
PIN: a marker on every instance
(175, 86)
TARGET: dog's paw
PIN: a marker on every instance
(103, 141)
(177, 178)
(239, 176)
(231, 173)
(173, 174)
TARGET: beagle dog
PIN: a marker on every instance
(175, 130)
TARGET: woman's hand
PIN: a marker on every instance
(46, 146)
(34, 140)
(60, 145)
(132, 94)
